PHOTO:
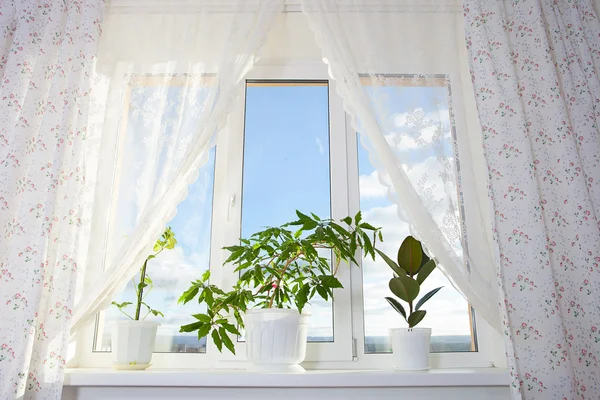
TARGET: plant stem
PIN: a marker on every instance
(141, 291)
(287, 264)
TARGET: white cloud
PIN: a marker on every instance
(441, 116)
(370, 186)
(416, 132)
(320, 145)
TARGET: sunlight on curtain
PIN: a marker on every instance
(427, 156)
(168, 74)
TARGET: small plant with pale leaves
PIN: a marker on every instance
(167, 241)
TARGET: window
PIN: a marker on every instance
(192, 224)
(289, 145)
(286, 165)
(419, 110)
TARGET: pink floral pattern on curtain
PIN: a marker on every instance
(46, 63)
(535, 67)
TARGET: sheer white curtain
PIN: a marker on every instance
(168, 73)
(427, 149)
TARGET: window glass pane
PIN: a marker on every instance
(286, 165)
(448, 314)
(173, 270)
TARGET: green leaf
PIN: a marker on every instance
(258, 275)
(203, 318)
(206, 275)
(191, 327)
(368, 226)
(331, 281)
(322, 292)
(425, 270)
(357, 218)
(238, 318)
(217, 340)
(119, 306)
(309, 225)
(141, 285)
(226, 340)
(404, 287)
(231, 328)
(156, 313)
(208, 297)
(397, 306)
(235, 255)
(302, 297)
(171, 242)
(188, 295)
(410, 254)
(203, 331)
(347, 220)
(416, 317)
(302, 217)
(427, 297)
(397, 270)
(424, 259)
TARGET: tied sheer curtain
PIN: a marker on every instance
(427, 149)
(167, 75)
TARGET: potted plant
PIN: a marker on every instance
(410, 346)
(281, 269)
(133, 338)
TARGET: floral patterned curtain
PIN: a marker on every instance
(535, 67)
(46, 61)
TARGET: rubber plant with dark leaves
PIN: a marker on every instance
(166, 241)
(411, 270)
(280, 267)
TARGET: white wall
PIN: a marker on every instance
(290, 40)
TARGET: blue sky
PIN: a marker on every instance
(286, 155)
(286, 167)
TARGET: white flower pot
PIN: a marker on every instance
(133, 343)
(410, 347)
(275, 340)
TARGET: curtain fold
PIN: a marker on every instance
(47, 55)
(535, 68)
(425, 149)
(167, 77)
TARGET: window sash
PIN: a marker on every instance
(341, 347)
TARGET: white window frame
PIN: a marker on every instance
(340, 350)
(347, 349)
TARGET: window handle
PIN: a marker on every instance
(231, 204)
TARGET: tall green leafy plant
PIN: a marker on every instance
(280, 267)
(144, 285)
(413, 266)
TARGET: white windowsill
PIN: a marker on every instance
(463, 377)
